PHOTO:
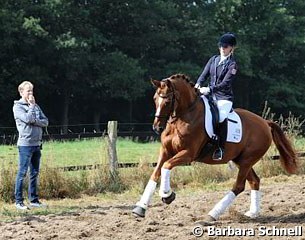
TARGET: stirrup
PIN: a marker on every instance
(218, 154)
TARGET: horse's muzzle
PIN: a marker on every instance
(158, 130)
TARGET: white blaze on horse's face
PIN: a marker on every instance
(158, 105)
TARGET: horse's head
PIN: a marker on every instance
(165, 103)
(174, 97)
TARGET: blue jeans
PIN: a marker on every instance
(29, 156)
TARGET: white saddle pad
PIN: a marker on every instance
(234, 124)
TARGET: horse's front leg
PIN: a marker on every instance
(142, 205)
(165, 191)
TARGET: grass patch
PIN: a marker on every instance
(85, 152)
(56, 184)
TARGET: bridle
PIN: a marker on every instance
(171, 95)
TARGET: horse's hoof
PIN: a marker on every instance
(251, 215)
(139, 212)
(207, 221)
(169, 199)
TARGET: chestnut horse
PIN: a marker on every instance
(180, 117)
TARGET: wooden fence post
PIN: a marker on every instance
(112, 154)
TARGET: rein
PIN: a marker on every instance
(189, 109)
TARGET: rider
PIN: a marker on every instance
(221, 69)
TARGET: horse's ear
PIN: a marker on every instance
(155, 83)
(168, 82)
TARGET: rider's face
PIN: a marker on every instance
(225, 50)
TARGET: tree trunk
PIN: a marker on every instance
(96, 120)
(65, 112)
(246, 93)
(130, 111)
(242, 92)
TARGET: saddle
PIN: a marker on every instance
(234, 129)
(211, 122)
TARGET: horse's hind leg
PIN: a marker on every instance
(254, 182)
(227, 200)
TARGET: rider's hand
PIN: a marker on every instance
(205, 90)
(197, 86)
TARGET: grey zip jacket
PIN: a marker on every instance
(29, 121)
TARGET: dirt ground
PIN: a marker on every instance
(283, 206)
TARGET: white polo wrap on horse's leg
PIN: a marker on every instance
(255, 204)
(222, 205)
(147, 195)
(165, 189)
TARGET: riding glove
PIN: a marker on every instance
(204, 90)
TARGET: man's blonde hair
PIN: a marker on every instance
(23, 84)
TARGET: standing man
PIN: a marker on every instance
(29, 121)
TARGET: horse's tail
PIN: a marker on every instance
(288, 155)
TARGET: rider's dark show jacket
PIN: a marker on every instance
(221, 77)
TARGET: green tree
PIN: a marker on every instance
(86, 56)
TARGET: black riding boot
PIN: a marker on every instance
(222, 137)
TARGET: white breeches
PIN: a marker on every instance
(224, 107)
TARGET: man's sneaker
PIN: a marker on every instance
(21, 206)
(37, 204)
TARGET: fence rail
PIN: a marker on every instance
(299, 154)
(139, 135)
(134, 165)
(97, 166)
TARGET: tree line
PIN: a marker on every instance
(92, 60)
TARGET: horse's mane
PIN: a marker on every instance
(182, 77)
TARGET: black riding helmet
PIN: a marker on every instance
(228, 39)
